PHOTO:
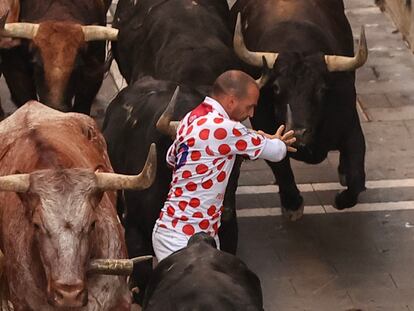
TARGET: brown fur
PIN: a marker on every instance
(58, 43)
(36, 138)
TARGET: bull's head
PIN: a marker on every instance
(299, 84)
(10, 11)
(63, 208)
(59, 54)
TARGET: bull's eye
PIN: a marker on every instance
(93, 225)
(276, 88)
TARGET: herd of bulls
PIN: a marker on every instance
(63, 243)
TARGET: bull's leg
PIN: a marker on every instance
(18, 74)
(352, 165)
(292, 201)
(228, 232)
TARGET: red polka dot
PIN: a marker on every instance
(180, 131)
(241, 145)
(215, 227)
(183, 218)
(204, 134)
(195, 155)
(182, 205)
(181, 138)
(209, 151)
(174, 222)
(161, 215)
(201, 121)
(230, 157)
(190, 128)
(211, 210)
(236, 132)
(221, 177)
(256, 141)
(215, 216)
(207, 184)
(204, 224)
(186, 174)
(175, 180)
(220, 133)
(170, 211)
(218, 120)
(201, 169)
(194, 202)
(191, 142)
(163, 226)
(256, 152)
(198, 215)
(215, 161)
(188, 229)
(224, 149)
(191, 186)
(178, 192)
(222, 209)
(220, 166)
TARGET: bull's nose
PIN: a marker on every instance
(69, 295)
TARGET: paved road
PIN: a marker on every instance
(333, 261)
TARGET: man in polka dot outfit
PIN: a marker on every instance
(202, 157)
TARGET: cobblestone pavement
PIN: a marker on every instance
(329, 260)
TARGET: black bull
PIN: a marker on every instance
(202, 278)
(311, 92)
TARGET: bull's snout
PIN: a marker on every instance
(303, 136)
(68, 295)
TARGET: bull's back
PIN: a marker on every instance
(213, 279)
(281, 25)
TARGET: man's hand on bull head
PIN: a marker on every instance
(288, 138)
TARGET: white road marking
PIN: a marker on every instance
(310, 187)
(329, 209)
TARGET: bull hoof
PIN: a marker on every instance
(293, 215)
(345, 199)
(342, 180)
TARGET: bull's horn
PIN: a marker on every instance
(261, 82)
(164, 123)
(97, 33)
(19, 30)
(115, 266)
(344, 63)
(252, 58)
(15, 183)
(289, 118)
(112, 181)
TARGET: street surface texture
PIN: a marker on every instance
(333, 260)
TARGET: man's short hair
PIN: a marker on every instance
(234, 83)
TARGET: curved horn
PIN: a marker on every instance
(252, 58)
(112, 181)
(115, 266)
(97, 33)
(164, 123)
(15, 183)
(19, 30)
(344, 63)
(261, 82)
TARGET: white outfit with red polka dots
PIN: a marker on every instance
(203, 156)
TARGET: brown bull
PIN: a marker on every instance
(57, 222)
(60, 61)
